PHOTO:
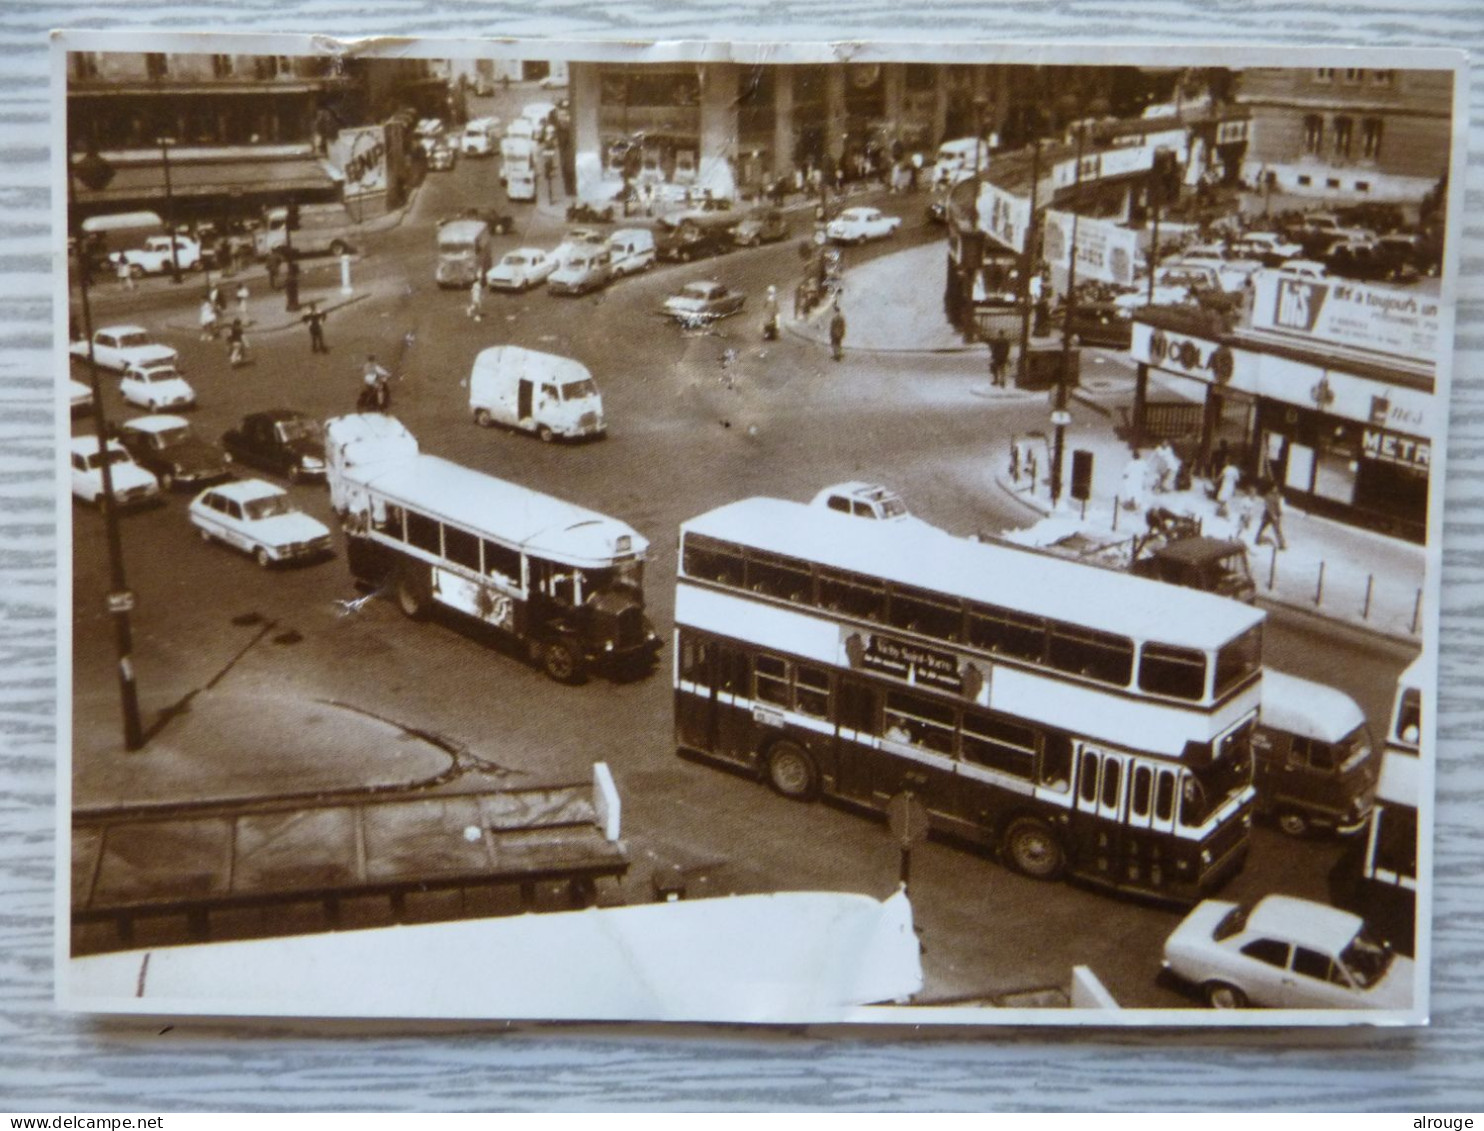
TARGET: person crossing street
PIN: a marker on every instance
(475, 309)
(315, 320)
(837, 333)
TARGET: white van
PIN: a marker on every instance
(632, 251)
(518, 168)
(581, 269)
(956, 160)
(478, 137)
(537, 392)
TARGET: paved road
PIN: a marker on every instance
(697, 419)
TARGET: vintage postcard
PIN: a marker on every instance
(751, 531)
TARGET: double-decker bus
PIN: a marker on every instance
(566, 581)
(1076, 720)
(1377, 877)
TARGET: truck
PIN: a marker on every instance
(463, 252)
(155, 257)
(324, 229)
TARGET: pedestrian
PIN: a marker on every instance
(242, 293)
(837, 333)
(375, 391)
(125, 273)
(914, 172)
(770, 315)
(1134, 482)
(236, 344)
(475, 309)
(1272, 514)
(208, 320)
(1167, 467)
(274, 263)
(315, 320)
(999, 358)
(214, 296)
(1226, 488)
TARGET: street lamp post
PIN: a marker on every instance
(95, 173)
(1028, 264)
(1060, 417)
(165, 143)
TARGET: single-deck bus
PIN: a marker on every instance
(1077, 720)
(565, 580)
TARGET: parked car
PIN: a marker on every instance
(760, 228)
(521, 269)
(699, 304)
(81, 398)
(154, 257)
(280, 441)
(1287, 953)
(118, 347)
(1269, 248)
(259, 519)
(857, 225)
(165, 446)
(1359, 260)
(155, 386)
(479, 137)
(133, 486)
(442, 156)
(689, 238)
(583, 268)
(1173, 285)
(1402, 256)
(1304, 268)
(1102, 324)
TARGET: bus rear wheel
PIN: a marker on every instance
(411, 597)
(791, 771)
(1033, 849)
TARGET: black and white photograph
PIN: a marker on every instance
(938, 533)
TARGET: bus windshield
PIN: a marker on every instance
(1206, 789)
(1239, 661)
(624, 575)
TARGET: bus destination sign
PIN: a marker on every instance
(910, 663)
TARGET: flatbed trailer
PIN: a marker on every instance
(208, 871)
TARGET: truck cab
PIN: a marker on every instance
(1214, 565)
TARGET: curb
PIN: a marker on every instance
(291, 321)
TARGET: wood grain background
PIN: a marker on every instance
(58, 1063)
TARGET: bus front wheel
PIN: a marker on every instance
(1033, 849)
(561, 662)
(791, 771)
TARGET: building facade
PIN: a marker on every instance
(1348, 134)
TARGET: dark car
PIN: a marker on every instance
(760, 228)
(280, 441)
(442, 157)
(1213, 565)
(1102, 324)
(691, 238)
(1357, 259)
(166, 446)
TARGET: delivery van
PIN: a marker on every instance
(956, 160)
(1313, 762)
(582, 268)
(463, 252)
(323, 228)
(518, 168)
(536, 392)
(631, 250)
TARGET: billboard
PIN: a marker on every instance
(1394, 321)
(360, 154)
(1105, 251)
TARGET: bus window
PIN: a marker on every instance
(999, 745)
(713, 561)
(929, 724)
(1056, 762)
(387, 519)
(695, 661)
(926, 613)
(1088, 778)
(1194, 804)
(779, 577)
(423, 532)
(1112, 782)
(1239, 660)
(502, 563)
(1177, 672)
(461, 547)
(1164, 796)
(1097, 655)
(1143, 787)
(733, 673)
(844, 593)
(772, 680)
(1019, 636)
(812, 691)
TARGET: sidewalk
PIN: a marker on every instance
(893, 304)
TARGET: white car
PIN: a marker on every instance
(155, 386)
(259, 519)
(81, 396)
(154, 257)
(857, 225)
(1304, 268)
(1286, 953)
(864, 500)
(132, 485)
(118, 347)
(521, 269)
(1173, 286)
(1269, 247)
